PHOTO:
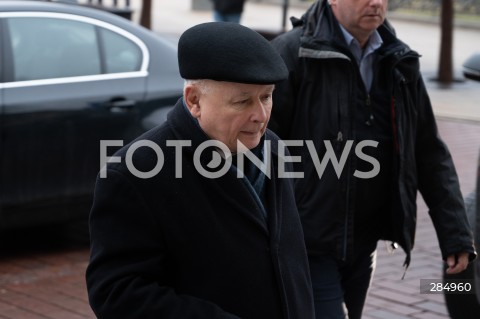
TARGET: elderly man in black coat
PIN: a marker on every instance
(174, 237)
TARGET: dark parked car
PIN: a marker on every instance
(71, 76)
(467, 306)
(471, 67)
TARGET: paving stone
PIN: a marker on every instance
(436, 307)
(384, 314)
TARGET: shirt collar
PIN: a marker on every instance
(374, 42)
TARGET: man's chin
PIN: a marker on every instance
(373, 22)
(247, 145)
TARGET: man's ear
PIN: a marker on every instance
(192, 100)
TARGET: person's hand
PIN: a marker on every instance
(457, 263)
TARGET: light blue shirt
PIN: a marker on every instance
(364, 57)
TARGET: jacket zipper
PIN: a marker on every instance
(371, 117)
(403, 92)
(347, 189)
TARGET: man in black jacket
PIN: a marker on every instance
(183, 226)
(355, 91)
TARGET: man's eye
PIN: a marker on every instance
(267, 98)
(241, 102)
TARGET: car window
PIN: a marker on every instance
(121, 54)
(50, 47)
(45, 48)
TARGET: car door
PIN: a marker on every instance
(70, 82)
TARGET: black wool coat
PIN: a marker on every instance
(194, 247)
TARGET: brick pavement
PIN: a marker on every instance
(394, 298)
(42, 278)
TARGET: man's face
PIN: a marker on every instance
(360, 17)
(228, 111)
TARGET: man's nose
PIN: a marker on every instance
(376, 3)
(260, 112)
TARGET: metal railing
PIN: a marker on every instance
(120, 8)
(433, 6)
(115, 2)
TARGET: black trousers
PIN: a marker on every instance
(340, 289)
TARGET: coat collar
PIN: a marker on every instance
(184, 126)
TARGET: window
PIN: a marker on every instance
(45, 48)
(121, 54)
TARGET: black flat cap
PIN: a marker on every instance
(225, 51)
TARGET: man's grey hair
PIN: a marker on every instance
(204, 85)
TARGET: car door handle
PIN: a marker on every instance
(120, 105)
